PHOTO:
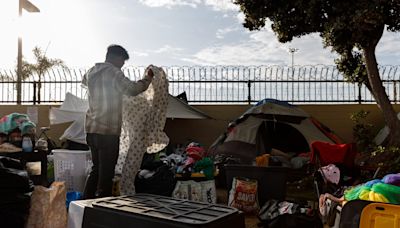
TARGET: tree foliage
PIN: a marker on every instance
(363, 133)
(350, 28)
(345, 26)
(41, 65)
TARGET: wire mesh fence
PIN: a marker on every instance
(216, 84)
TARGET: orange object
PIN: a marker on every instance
(262, 160)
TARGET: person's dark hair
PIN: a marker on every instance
(117, 50)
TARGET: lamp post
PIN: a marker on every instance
(29, 7)
(292, 51)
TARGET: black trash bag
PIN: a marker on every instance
(149, 162)
(13, 177)
(14, 210)
(161, 183)
(15, 193)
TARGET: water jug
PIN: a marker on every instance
(27, 144)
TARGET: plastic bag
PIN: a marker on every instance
(48, 207)
(243, 195)
(181, 190)
(208, 191)
(196, 191)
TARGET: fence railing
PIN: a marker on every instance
(216, 84)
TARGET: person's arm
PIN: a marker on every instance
(128, 87)
(84, 81)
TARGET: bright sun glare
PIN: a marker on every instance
(59, 23)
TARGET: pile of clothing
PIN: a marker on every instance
(192, 159)
(157, 171)
(385, 190)
(12, 128)
(276, 213)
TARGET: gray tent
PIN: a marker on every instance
(271, 124)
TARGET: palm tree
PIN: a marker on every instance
(40, 67)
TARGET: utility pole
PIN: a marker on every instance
(28, 6)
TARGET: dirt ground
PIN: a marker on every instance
(251, 221)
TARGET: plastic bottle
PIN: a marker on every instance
(27, 144)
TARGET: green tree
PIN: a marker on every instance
(40, 67)
(351, 28)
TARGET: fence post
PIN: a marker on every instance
(34, 92)
(359, 93)
(249, 91)
(39, 86)
(395, 91)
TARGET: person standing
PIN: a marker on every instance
(106, 83)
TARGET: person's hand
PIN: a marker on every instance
(149, 71)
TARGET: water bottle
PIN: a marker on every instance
(27, 144)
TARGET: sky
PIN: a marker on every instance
(159, 32)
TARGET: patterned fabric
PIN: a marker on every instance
(16, 120)
(106, 84)
(143, 120)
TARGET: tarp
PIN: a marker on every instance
(178, 109)
(73, 109)
(383, 133)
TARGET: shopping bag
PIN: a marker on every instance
(48, 207)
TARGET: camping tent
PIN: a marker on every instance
(271, 124)
(73, 109)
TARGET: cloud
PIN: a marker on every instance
(263, 48)
(222, 5)
(170, 3)
(168, 49)
(388, 49)
(140, 54)
(240, 17)
(222, 32)
(217, 5)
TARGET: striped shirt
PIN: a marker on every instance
(106, 84)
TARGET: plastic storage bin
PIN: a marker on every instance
(271, 180)
(71, 166)
(146, 210)
(380, 215)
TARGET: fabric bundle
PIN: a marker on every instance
(16, 120)
(195, 150)
(143, 121)
(386, 190)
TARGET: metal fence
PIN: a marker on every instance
(217, 84)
